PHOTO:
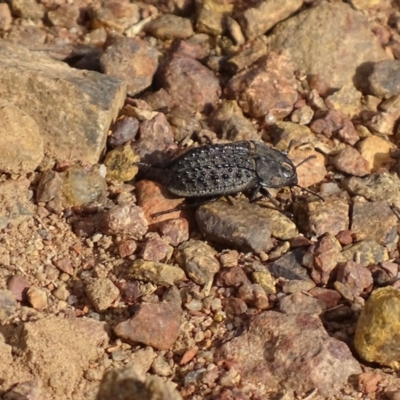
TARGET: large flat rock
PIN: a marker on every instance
(72, 108)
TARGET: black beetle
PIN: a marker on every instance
(211, 171)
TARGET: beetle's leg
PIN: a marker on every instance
(253, 196)
(187, 205)
(265, 192)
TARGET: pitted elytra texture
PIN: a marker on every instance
(222, 169)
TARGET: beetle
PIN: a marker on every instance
(208, 172)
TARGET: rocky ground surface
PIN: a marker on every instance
(101, 299)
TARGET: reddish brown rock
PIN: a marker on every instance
(356, 277)
(64, 264)
(234, 277)
(234, 306)
(155, 248)
(66, 16)
(330, 297)
(350, 161)
(229, 121)
(190, 83)
(289, 350)
(319, 217)
(267, 87)
(137, 62)
(156, 143)
(300, 303)
(255, 21)
(323, 258)
(198, 46)
(169, 27)
(18, 285)
(124, 130)
(254, 295)
(311, 172)
(345, 237)
(174, 231)
(368, 382)
(155, 325)
(154, 198)
(129, 220)
(345, 35)
(127, 248)
(335, 124)
(117, 15)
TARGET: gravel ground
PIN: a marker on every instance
(106, 295)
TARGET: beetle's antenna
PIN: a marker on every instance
(305, 160)
(311, 192)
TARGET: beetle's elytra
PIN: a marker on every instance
(216, 170)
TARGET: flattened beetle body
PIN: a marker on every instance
(221, 169)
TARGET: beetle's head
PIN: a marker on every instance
(276, 173)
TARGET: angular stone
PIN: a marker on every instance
(190, 83)
(319, 217)
(169, 27)
(376, 187)
(375, 221)
(210, 15)
(120, 163)
(21, 145)
(137, 63)
(155, 248)
(267, 87)
(255, 21)
(294, 351)
(155, 325)
(300, 303)
(323, 258)
(355, 277)
(129, 220)
(335, 124)
(384, 80)
(154, 198)
(350, 161)
(377, 151)
(345, 35)
(347, 100)
(61, 99)
(290, 266)
(102, 293)
(198, 260)
(368, 252)
(156, 273)
(234, 225)
(116, 15)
